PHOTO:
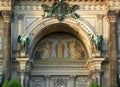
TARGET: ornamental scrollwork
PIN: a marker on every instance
(60, 10)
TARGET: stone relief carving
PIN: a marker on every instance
(79, 51)
(46, 50)
(60, 47)
(71, 46)
(43, 50)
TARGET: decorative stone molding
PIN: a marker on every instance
(22, 62)
(65, 0)
(112, 15)
(20, 16)
(94, 68)
(6, 3)
(100, 16)
(82, 7)
(7, 15)
(58, 69)
(114, 3)
(39, 24)
(94, 63)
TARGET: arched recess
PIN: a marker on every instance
(76, 27)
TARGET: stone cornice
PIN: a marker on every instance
(82, 7)
(50, 1)
(5, 4)
(114, 5)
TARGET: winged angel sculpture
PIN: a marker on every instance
(98, 41)
(60, 10)
(24, 41)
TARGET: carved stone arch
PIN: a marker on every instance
(81, 28)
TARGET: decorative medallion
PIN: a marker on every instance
(60, 10)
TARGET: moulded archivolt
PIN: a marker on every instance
(39, 24)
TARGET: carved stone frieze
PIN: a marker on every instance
(81, 8)
(5, 3)
(64, 0)
(114, 4)
(59, 70)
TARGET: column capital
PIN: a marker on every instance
(7, 15)
(100, 16)
(112, 15)
(20, 16)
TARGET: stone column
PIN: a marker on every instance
(113, 48)
(22, 62)
(47, 81)
(100, 24)
(7, 44)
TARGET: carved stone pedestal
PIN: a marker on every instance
(94, 66)
(22, 62)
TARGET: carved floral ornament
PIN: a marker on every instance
(60, 10)
(7, 15)
(112, 15)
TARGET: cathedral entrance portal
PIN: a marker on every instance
(59, 61)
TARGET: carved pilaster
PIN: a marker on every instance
(100, 24)
(7, 44)
(20, 19)
(113, 47)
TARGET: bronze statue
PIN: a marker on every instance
(60, 10)
(98, 41)
(24, 41)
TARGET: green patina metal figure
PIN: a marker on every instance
(60, 10)
(24, 41)
(98, 41)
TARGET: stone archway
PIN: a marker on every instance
(60, 69)
(40, 71)
(82, 28)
